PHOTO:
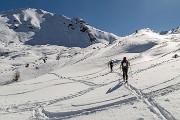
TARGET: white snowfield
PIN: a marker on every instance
(76, 83)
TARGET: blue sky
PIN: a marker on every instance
(121, 17)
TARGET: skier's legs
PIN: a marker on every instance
(126, 74)
(111, 67)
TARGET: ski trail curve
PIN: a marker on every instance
(70, 114)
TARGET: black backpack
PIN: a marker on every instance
(124, 64)
(111, 63)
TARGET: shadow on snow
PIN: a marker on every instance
(114, 88)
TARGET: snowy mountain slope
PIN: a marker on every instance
(76, 83)
(38, 27)
(112, 99)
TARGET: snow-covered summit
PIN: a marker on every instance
(39, 27)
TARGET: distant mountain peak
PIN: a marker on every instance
(38, 27)
(172, 31)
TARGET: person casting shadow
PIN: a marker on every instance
(125, 65)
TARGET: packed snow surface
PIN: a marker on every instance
(73, 81)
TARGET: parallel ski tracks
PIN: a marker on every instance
(146, 98)
(151, 103)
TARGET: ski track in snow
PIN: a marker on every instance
(35, 89)
(36, 105)
(162, 82)
(164, 91)
(146, 98)
(151, 103)
(152, 66)
(70, 114)
(94, 73)
(140, 96)
(140, 70)
(80, 81)
(41, 106)
(135, 57)
(154, 107)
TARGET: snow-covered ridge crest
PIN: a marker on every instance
(172, 31)
(38, 27)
